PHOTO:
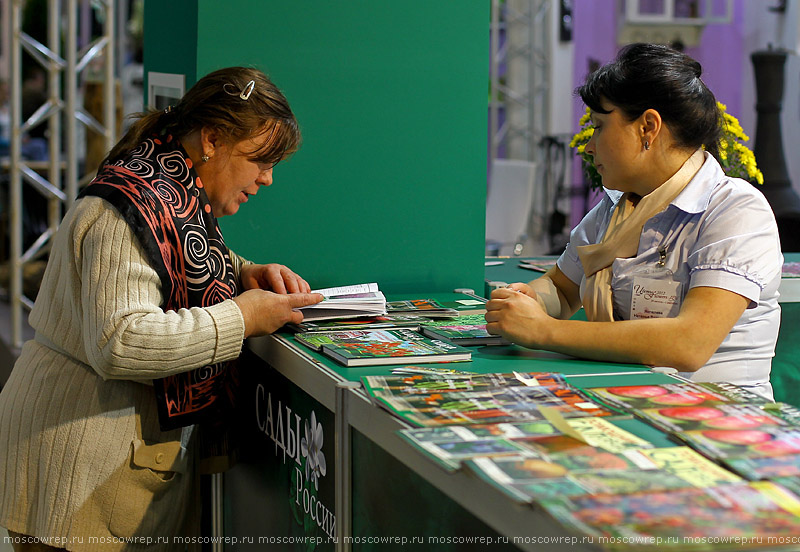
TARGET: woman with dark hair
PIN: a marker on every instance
(678, 265)
(141, 313)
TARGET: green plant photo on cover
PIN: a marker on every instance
(736, 159)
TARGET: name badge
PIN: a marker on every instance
(655, 298)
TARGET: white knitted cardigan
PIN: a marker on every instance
(81, 454)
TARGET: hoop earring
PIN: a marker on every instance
(646, 145)
(204, 158)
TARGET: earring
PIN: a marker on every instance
(204, 158)
(646, 145)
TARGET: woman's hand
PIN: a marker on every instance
(272, 277)
(515, 313)
(523, 288)
(264, 311)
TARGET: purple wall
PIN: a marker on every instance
(595, 37)
(720, 52)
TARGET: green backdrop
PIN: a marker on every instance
(390, 183)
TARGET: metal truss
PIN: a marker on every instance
(518, 74)
(62, 113)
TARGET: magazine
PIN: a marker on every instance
(361, 323)
(766, 467)
(690, 466)
(692, 518)
(465, 330)
(445, 445)
(415, 384)
(726, 444)
(504, 404)
(630, 471)
(476, 432)
(431, 370)
(381, 347)
(430, 308)
(557, 465)
(528, 479)
(630, 397)
(675, 419)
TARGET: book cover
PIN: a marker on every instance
(430, 370)
(429, 308)
(363, 323)
(446, 445)
(600, 432)
(492, 406)
(578, 469)
(791, 269)
(787, 412)
(463, 334)
(548, 480)
(315, 340)
(690, 466)
(463, 319)
(630, 397)
(477, 432)
(790, 483)
(395, 346)
(601, 481)
(725, 444)
(766, 467)
(451, 454)
(438, 442)
(416, 384)
(685, 519)
(573, 454)
(676, 419)
(599, 472)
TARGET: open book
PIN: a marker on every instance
(357, 300)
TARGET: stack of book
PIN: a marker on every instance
(382, 347)
(467, 329)
(414, 331)
(424, 307)
(347, 302)
(381, 322)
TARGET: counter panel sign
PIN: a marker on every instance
(282, 489)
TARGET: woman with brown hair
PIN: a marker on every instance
(141, 313)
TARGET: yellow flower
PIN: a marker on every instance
(736, 159)
(586, 117)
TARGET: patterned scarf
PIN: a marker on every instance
(621, 239)
(161, 197)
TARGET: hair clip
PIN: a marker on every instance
(168, 109)
(244, 94)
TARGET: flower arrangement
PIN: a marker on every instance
(579, 142)
(736, 159)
